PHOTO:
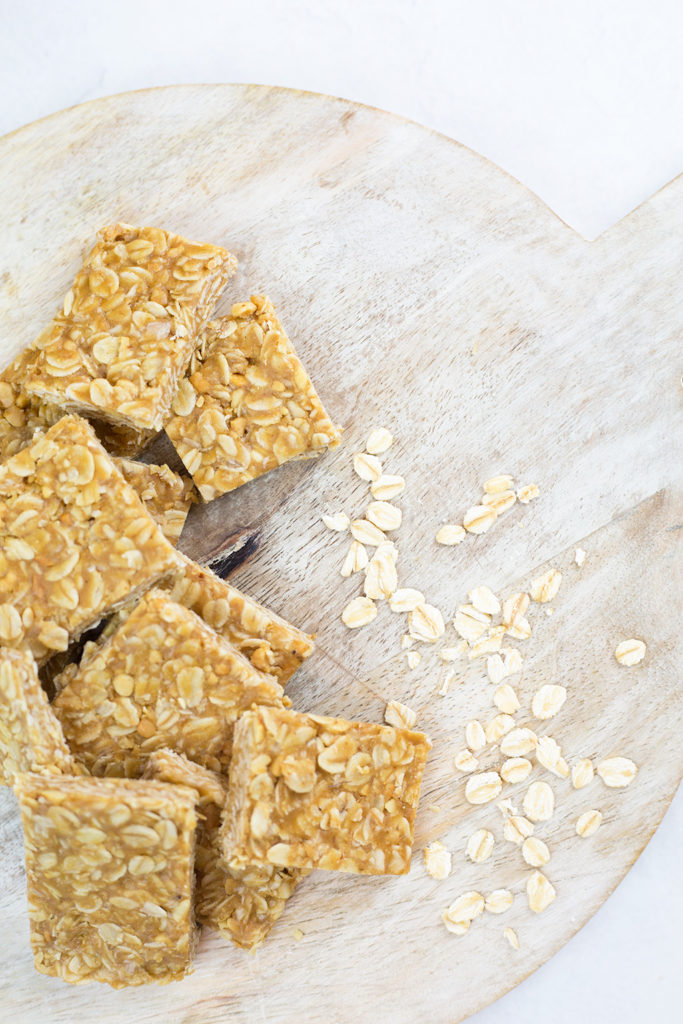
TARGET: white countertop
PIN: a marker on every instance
(582, 102)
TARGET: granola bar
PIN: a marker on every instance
(163, 679)
(128, 325)
(31, 738)
(75, 540)
(109, 865)
(166, 495)
(270, 643)
(313, 792)
(243, 905)
(248, 404)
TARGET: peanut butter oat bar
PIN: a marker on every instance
(128, 326)
(269, 642)
(248, 404)
(109, 865)
(75, 540)
(166, 495)
(163, 679)
(314, 792)
(243, 905)
(31, 738)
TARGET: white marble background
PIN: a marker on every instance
(582, 101)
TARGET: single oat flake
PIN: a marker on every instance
(535, 852)
(465, 761)
(505, 698)
(425, 623)
(405, 599)
(582, 773)
(469, 623)
(338, 521)
(545, 587)
(482, 788)
(498, 901)
(450, 534)
(359, 612)
(539, 802)
(517, 828)
(479, 519)
(465, 907)
(399, 715)
(356, 559)
(379, 441)
(527, 493)
(630, 652)
(484, 600)
(384, 515)
(617, 772)
(367, 467)
(588, 823)
(495, 484)
(387, 487)
(453, 653)
(475, 736)
(540, 892)
(579, 557)
(515, 769)
(547, 701)
(413, 658)
(480, 846)
(511, 935)
(437, 860)
(366, 532)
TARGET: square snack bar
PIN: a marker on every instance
(248, 404)
(129, 325)
(162, 679)
(313, 792)
(75, 540)
(243, 905)
(269, 642)
(31, 738)
(166, 495)
(109, 865)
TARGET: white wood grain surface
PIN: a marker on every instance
(429, 292)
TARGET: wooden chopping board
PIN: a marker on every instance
(429, 292)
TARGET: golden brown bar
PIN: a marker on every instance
(31, 738)
(166, 495)
(75, 540)
(163, 679)
(109, 865)
(313, 792)
(269, 642)
(129, 325)
(242, 905)
(248, 404)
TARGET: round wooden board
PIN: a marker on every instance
(429, 292)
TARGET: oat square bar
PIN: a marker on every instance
(128, 326)
(31, 738)
(269, 642)
(109, 865)
(248, 404)
(162, 679)
(242, 905)
(166, 495)
(313, 792)
(75, 540)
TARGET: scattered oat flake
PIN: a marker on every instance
(387, 487)
(579, 557)
(549, 754)
(505, 697)
(498, 901)
(405, 599)
(455, 927)
(506, 807)
(367, 467)
(484, 600)
(487, 644)
(539, 802)
(479, 519)
(535, 852)
(518, 742)
(384, 515)
(298, 934)
(359, 612)
(512, 660)
(588, 823)
(399, 715)
(356, 559)
(406, 640)
(527, 493)
(474, 735)
(413, 659)
(453, 653)
(425, 623)
(381, 577)
(469, 623)
(545, 587)
(466, 907)
(497, 727)
(517, 828)
(366, 532)
(379, 441)
(630, 652)
(515, 769)
(338, 521)
(582, 773)
(547, 701)
(617, 772)
(445, 686)
(495, 668)
(480, 845)
(511, 935)
(437, 860)
(540, 892)
(498, 483)
(450, 534)
(480, 789)
(500, 502)
(465, 761)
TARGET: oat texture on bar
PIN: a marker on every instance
(75, 540)
(109, 865)
(247, 404)
(162, 679)
(243, 905)
(166, 495)
(31, 738)
(313, 792)
(129, 325)
(270, 643)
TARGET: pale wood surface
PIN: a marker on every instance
(429, 292)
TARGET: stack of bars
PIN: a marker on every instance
(167, 783)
